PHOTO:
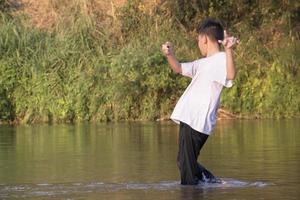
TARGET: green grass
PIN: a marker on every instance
(92, 71)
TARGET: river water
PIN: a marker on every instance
(137, 160)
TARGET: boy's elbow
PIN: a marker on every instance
(230, 76)
(177, 69)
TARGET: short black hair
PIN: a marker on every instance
(212, 28)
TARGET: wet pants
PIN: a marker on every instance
(190, 144)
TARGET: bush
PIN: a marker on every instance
(89, 70)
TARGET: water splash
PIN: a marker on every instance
(50, 190)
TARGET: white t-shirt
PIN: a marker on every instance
(198, 105)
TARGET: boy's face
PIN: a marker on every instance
(202, 44)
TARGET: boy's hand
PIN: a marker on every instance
(168, 52)
(167, 49)
(229, 42)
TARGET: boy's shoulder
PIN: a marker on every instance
(217, 57)
(213, 60)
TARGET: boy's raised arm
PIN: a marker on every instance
(229, 43)
(231, 71)
(173, 62)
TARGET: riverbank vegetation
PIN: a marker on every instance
(83, 61)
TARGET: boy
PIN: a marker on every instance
(196, 110)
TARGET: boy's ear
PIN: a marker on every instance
(205, 39)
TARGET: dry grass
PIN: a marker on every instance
(48, 13)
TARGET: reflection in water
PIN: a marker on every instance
(134, 160)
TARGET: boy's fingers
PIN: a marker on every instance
(165, 45)
(166, 49)
(168, 43)
(225, 34)
(236, 41)
(225, 42)
(233, 40)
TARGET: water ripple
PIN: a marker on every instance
(49, 189)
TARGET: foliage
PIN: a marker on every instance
(89, 70)
(4, 5)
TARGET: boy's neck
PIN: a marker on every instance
(212, 49)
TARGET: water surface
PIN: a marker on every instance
(255, 160)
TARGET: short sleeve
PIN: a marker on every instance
(220, 76)
(189, 69)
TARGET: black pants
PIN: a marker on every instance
(190, 144)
